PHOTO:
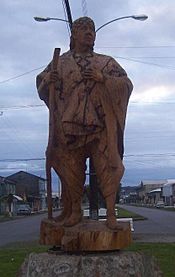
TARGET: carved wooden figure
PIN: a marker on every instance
(91, 93)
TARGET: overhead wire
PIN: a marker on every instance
(148, 63)
(126, 58)
(151, 46)
(119, 57)
(84, 7)
(65, 16)
(126, 156)
(22, 74)
(4, 108)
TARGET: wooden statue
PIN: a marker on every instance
(87, 114)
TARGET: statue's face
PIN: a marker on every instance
(85, 35)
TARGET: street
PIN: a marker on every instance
(23, 229)
(159, 227)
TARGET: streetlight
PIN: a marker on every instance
(43, 19)
(141, 17)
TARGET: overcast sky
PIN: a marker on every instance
(144, 48)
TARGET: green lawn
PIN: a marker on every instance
(11, 257)
(124, 213)
(163, 252)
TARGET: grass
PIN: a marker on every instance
(163, 252)
(11, 257)
(124, 213)
(172, 209)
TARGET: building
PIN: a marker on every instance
(150, 191)
(7, 186)
(169, 192)
(31, 188)
(8, 197)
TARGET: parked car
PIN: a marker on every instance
(24, 209)
(160, 204)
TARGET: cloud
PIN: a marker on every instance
(152, 95)
(26, 45)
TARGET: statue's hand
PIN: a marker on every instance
(94, 74)
(51, 77)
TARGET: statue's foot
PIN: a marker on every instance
(112, 224)
(62, 217)
(74, 219)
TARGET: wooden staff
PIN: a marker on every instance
(51, 134)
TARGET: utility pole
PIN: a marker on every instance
(93, 197)
(69, 14)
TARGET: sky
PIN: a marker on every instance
(145, 49)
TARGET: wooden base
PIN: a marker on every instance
(89, 235)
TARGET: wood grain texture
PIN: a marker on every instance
(88, 235)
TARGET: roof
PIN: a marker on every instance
(153, 182)
(17, 197)
(25, 173)
(170, 181)
(155, 190)
(6, 180)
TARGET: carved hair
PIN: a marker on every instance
(76, 25)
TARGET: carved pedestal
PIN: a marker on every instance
(88, 235)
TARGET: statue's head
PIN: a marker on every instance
(83, 32)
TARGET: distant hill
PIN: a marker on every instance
(133, 177)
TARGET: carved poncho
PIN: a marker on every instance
(87, 110)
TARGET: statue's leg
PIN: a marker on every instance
(70, 166)
(109, 181)
(75, 178)
(67, 209)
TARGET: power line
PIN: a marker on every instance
(160, 46)
(126, 156)
(21, 107)
(21, 160)
(119, 57)
(6, 108)
(150, 155)
(67, 24)
(22, 74)
(151, 57)
(84, 7)
(149, 63)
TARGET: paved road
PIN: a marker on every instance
(159, 226)
(23, 229)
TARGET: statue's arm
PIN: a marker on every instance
(42, 84)
(118, 88)
(116, 75)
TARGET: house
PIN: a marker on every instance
(150, 191)
(169, 192)
(155, 196)
(8, 197)
(31, 188)
(7, 186)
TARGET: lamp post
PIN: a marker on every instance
(141, 17)
(44, 19)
